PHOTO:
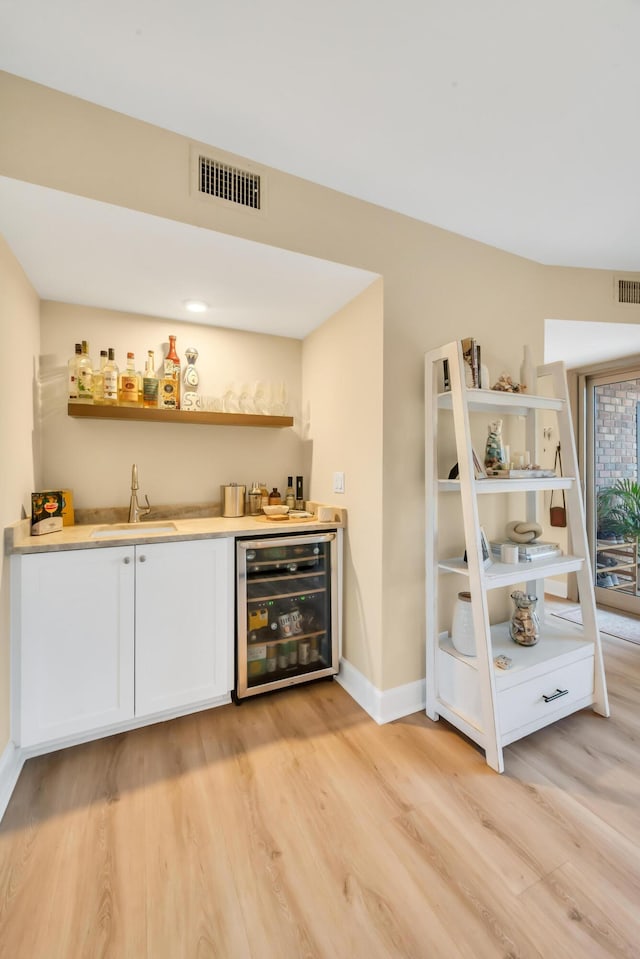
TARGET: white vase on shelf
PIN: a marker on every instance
(528, 372)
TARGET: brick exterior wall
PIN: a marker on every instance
(616, 439)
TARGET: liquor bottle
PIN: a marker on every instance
(130, 384)
(255, 500)
(290, 496)
(299, 494)
(150, 383)
(85, 375)
(110, 373)
(264, 496)
(98, 380)
(169, 387)
(274, 497)
(73, 373)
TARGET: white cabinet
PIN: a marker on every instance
(107, 636)
(184, 623)
(563, 672)
(73, 661)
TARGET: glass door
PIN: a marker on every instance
(612, 461)
(287, 611)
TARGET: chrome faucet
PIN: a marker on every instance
(135, 512)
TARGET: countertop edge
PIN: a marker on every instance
(19, 542)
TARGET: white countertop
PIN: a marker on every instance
(18, 538)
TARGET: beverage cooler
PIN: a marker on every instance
(287, 611)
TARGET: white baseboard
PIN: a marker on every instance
(382, 705)
(11, 763)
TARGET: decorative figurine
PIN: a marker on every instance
(521, 531)
(506, 385)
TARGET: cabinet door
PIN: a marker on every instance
(74, 664)
(184, 624)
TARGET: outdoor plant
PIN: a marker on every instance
(619, 509)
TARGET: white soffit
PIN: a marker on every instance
(580, 344)
(77, 250)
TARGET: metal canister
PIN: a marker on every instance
(233, 499)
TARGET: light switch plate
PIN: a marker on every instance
(338, 482)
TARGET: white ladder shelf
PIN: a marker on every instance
(563, 672)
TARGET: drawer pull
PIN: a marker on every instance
(558, 693)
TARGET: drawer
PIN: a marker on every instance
(525, 705)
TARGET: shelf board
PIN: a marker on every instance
(508, 574)
(200, 418)
(493, 401)
(560, 643)
(491, 485)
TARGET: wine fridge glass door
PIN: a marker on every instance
(287, 601)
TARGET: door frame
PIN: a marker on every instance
(613, 371)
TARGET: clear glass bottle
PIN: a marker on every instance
(524, 627)
(111, 379)
(85, 375)
(98, 380)
(150, 383)
(290, 496)
(73, 373)
(130, 384)
(494, 455)
(255, 500)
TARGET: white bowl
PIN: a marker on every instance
(276, 510)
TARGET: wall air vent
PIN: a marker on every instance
(229, 183)
(627, 291)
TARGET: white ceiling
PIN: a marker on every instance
(515, 123)
(76, 250)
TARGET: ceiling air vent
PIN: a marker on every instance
(627, 291)
(229, 183)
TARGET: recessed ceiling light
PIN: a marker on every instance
(196, 306)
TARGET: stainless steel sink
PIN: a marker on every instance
(132, 529)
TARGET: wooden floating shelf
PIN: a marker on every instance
(201, 418)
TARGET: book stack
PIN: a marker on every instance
(528, 552)
(472, 369)
(471, 355)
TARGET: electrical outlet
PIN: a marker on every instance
(338, 482)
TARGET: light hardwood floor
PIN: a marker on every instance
(293, 826)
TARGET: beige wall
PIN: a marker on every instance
(176, 463)
(19, 332)
(585, 295)
(443, 287)
(342, 404)
(437, 287)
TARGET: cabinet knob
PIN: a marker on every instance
(143, 559)
(126, 560)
